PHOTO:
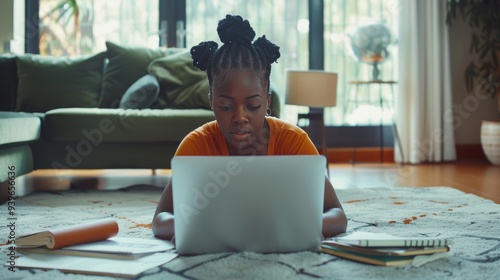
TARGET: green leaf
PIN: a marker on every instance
(470, 74)
(63, 7)
(462, 5)
(474, 43)
(485, 48)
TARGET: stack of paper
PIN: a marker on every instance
(386, 250)
(98, 254)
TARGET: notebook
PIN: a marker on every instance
(264, 204)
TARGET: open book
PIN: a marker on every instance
(71, 235)
(368, 239)
(114, 247)
(97, 266)
(90, 248)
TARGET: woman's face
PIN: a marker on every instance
(239, 102)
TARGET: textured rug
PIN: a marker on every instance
(472, 223)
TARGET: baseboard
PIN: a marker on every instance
(361, 155)
(372, 154)
(470, 152)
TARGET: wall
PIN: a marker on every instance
(12, 26)
(470, 108)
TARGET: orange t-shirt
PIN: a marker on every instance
(284, 139)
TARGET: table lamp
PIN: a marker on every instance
(312, 88)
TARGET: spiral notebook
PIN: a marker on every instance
(369, 239)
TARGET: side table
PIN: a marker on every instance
(354, 102)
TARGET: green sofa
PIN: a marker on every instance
(126, 107)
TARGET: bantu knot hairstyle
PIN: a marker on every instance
(234, 28)
(237, 51)
(202, 53)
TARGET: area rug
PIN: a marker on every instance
(473, 224)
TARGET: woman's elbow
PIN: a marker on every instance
(163, 225)
(334, 222)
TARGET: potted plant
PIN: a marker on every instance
(483, 17)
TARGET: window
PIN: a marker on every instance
(341, 17)
(70, 27)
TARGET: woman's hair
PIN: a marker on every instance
(237, 51)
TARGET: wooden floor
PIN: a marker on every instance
(476, 177)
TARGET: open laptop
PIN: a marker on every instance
(248, 203)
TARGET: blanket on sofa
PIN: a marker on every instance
(472, 223)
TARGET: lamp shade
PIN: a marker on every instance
(313, 88)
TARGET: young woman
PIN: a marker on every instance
(238, 74)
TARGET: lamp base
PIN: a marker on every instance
(376, 72)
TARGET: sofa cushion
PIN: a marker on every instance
(97, 125)
(71, 154)
(183, 86)
(125, 66)
(47, 83)
(8, 86)
(18, 127)
(141, 94)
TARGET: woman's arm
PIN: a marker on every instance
(163, 220)
(334, 218)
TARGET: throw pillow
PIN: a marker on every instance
(125, 66)
(141, 94)
(183, 86)
(8, 86)
(193, 96)
(47, 83)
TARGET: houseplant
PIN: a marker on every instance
(483, 18)
(60, 32)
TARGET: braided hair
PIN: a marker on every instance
(237, 51)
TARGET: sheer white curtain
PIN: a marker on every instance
(424, 94)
